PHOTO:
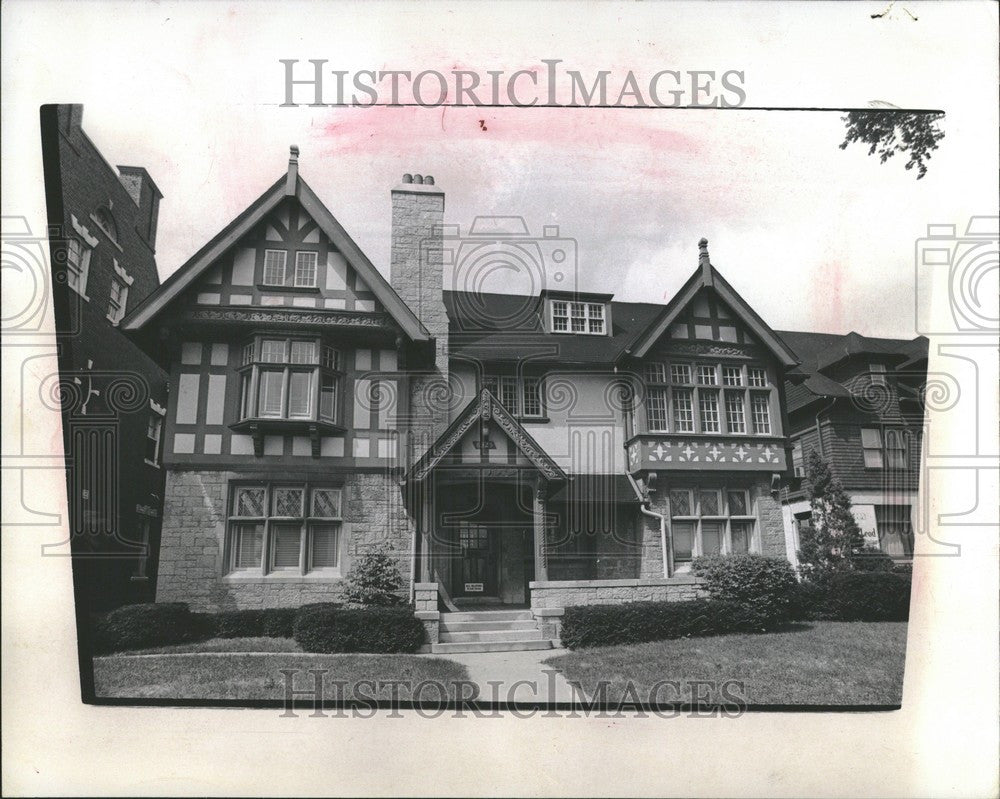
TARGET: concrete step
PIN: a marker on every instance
(491, 635)
(482, 626)
(488, 615)
(490, 646)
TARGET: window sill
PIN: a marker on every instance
(135, 579)
(293, 289)
(80, 294)
(280, 577)
(150, 463)
(527, 419)
(286, 425)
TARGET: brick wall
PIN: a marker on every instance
(194, 534)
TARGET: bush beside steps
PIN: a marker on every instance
(321, 627)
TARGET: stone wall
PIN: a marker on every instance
(192, 567)
(425, 599)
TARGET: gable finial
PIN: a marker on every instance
(704, 262)
(293, 170)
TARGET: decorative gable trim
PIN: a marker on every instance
(708, 276)
(290, 185)
(483, 409)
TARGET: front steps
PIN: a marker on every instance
(489, 631)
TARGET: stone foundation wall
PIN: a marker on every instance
(192, 567)
(425, 596)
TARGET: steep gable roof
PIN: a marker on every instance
(289, 185)
(707, 276)
(488, 407)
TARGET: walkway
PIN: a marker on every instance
(514, 676)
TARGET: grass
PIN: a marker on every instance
(819, 663)
(249, 644)
(246, 677)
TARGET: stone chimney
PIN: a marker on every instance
(147, 196)
(417, 275)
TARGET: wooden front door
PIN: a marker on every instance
(476, 575)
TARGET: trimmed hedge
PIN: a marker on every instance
(872, 562)
(328, 628)
(855, 596)
(639, 622)
(267, 623)
(764, 588)
(142, 626)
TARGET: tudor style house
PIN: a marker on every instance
(512, 451)
(860, 406)
(102, 231)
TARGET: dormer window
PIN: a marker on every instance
(587, 318)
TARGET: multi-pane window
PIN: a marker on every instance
(274, 267)
(521, 396)
(560, 316)
(709, 522)
(686, 395)
(871, 446)
(305, 269)
(276, 528)
(117, 301)
(798, 462)
(154, 433)
(708, 407)
(77, 265)
(735, 414)
(578, 317)
(683, 411)
(732, 375)
(760, 410)
(290, 379)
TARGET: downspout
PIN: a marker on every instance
(665, 548)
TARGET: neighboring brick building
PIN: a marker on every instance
(103, 236)
(860, 406)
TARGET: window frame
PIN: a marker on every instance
(158, 418)
(590, 314)
(873, 450)
(725, 516)
(315, 269)
(117, 305)
(78, 266)
(877, 374)
(306, 521)
(326, 365)
(516, 386)
(284, 268)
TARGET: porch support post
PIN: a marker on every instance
(538, 517)
(426, 521)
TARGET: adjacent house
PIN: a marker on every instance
(861, 408)
(102, 225)
(517, 454)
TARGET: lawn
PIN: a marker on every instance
(813, 663)
(207, 674)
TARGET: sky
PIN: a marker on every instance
(814, 237)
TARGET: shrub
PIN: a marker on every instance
(142, 626)
(328, 628)
(764, 588)
(869, 596)
(638, 622)
(374, 579)
(268, 623)
(811, 602)
(872, 561)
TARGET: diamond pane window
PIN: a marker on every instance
(737, 503)
(326, 503)
(708, 503)
(287, 502)
(680, 503)
(249, 501)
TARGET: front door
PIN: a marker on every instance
(476, 575)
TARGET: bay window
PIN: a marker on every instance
(290, 378)
(685, 398)
(285, 529)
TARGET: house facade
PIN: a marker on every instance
(102, 222)
(859, 403)
(510, 451)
